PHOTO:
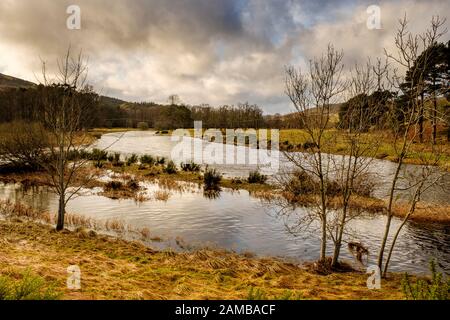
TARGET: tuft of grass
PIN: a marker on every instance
(160, 161)
(133, 159)
(190, 167)
(212, 179)
(148, 160)
(256, 177)
(171, 168)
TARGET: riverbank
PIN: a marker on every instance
(116, 269)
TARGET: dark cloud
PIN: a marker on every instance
(214, 51)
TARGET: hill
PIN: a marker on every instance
(7, 82)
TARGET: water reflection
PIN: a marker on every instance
(146, 142)
(212, 194)
(237, 221)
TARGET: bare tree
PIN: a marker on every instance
(65, 108)
(351, 171)
(174, 100)
(312, 94)
(408, 48)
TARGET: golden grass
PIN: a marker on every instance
(386, 151)
(115, 269)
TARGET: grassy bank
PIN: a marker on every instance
(295, 139)
(115, 269)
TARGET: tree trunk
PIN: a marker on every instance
(61, 213)
(434, 112)
(389, 213)
(421, 118)
(323, 245)
(434, 118)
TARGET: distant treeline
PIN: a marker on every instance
(34, 104)
(29, 104)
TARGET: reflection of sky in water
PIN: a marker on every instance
(148, 143)
(242, 223)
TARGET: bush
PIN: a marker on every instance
(114, 185)
(171, 168)
(438, 288)
(211, 179)
(309, 145)
(132, 185)
(116, 157)
(301, 183)
(256, 177)
(133, 159)
(30, 287)
(142, 126)
(23, 144)
(147, 159)
(99, 155)
(190, 167)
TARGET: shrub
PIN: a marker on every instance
(23, 144)
(438, 288)
(171, 168)
(147, 159)
(133, 159)
(99, 155)
(113, 185)
(111, 158)
(29, 287)
(309, 145)
(301, 183)
(132, 185)
(256, 177)
(142, 126)
(211, 179)
(190, 167)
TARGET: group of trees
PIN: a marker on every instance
(381, 98)
(427, 80)
(243, 115)
(29, 104)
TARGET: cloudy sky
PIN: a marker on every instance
(206, 51)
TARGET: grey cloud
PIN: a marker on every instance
(213, 51)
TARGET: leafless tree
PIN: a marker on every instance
(312, 94)
(351, 171)
(63, 111)
(408, 48)
(174, 100)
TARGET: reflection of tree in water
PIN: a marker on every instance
(212, 194)
(433, 239)
(34, 196)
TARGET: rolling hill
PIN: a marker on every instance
(8, 82)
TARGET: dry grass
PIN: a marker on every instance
(161, 195)
(11, 210)
(297, 137)
(116, 269)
